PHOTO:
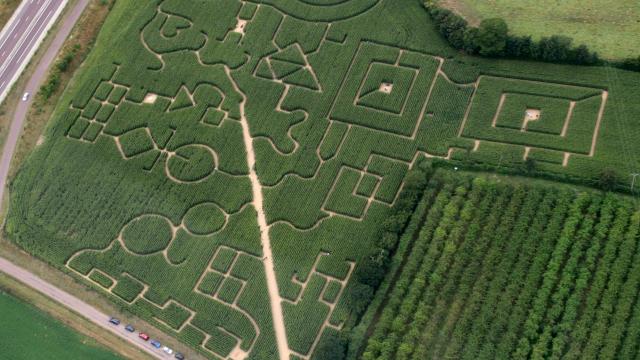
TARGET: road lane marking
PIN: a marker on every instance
(23, 38)
(11, 25)
(31, 43)
(46, 24)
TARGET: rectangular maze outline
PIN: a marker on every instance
(423, 103)
(332, 305)
(359, 95)
(527, 148)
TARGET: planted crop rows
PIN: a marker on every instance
(515, 271)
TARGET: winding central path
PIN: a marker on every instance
(272, 283)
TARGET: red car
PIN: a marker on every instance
(143, 336)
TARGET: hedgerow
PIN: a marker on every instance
(492, 39)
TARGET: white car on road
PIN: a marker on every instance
(25, 96)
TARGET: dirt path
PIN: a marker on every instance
(256, 187)
(594, 140)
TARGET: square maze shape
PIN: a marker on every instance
(506, 111)
(531, 113)
(386, 89)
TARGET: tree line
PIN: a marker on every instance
(492, 38)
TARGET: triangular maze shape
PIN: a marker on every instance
(291, 54)
(290, 66)
(182, 100)
(302, 78)
(283, 68)
(263, 70)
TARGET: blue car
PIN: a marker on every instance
(156, 344)
(130, 328)
(114, 321)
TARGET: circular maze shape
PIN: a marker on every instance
(191, 163)
(147, 234)
(204, 219)
(323, 2)
(323, 10)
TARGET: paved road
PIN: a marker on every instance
(21, 36)
(37, 78)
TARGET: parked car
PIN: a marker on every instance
(114, 321)
(25, 96)
(156, 344)
(130, 328)
(143, 336)
(179, 356)
(168, 350)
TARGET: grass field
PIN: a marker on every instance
(27, 334)
(223, 176)
(608, 27)
(502, 270)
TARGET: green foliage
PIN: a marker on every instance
(305, 320)
(127, 288)
(101, 279)
(221, 343)
(49, 88)
(332, 346)
(103, 91)
(608, 179)
(331, 291)
(173, 315)
(222, 261)
(117, 94)
(229, 290)
(204, 219)
(210, 283)
(492, 37)
(147, 234)
(35, 335)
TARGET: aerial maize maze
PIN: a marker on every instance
(219, 167)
